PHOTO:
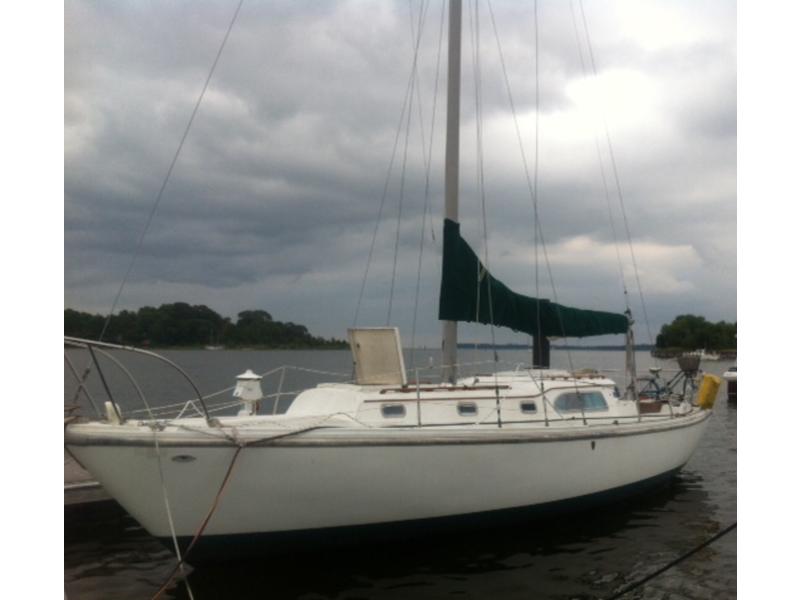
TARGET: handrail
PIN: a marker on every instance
(130, 377)
(81, 386)
(89, 344)
(415, 387)
(105, 383)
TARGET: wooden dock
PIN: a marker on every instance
(79, 486)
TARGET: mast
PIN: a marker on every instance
(450, 334)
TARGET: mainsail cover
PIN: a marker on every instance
(461, 300)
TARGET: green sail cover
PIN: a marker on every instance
(459, 301)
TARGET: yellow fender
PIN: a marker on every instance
(708, 391)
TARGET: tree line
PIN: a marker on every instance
(691, 332)
(183, 325)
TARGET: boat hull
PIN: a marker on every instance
(339, 482)
(216, 548)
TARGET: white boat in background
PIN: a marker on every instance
(704, 355)
(387, 449)
(730, 377)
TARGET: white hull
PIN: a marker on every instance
(345, 477)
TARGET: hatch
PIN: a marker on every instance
(377, 355)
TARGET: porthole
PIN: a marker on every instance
(183, 458)
(393, 411)
(467, 409)
(527, 407)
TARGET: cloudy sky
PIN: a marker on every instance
(273, 201)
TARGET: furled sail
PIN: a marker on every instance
(461, 300)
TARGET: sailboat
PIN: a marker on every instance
(349, 459)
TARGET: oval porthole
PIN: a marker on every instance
(183, 458)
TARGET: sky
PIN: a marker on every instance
(273, 200)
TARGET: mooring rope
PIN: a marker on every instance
(165, 497)
(681, 558)
(203, 525)
(182, 560)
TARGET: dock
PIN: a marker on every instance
(79, 486)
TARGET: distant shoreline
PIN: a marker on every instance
(484, 346)
(226, 348)
(657, 353)
(727, 354)
(180, 325)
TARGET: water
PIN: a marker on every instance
(590, 555)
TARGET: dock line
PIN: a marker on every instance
(669, 565)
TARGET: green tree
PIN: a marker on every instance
(690, 332)
(183, 324)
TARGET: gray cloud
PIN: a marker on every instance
(273, 200)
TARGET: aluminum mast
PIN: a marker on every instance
(450, 336)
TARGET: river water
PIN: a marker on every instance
(107, 554)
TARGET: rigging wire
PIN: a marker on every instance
(606, 191)
(168, 175)
(536, 193)
(538, 232)
(406, 106)
(632, 384)
(536, 158)
(422, 10)
(420, 111)
(426, 204)
(481, 180)
(533, 194)
(478, 157)
(537, 238)
(615, 172)
(532, 187)
(379, 217)
(164, 183)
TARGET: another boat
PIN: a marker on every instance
(730, 377)
(704, 355)
(385, 449)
